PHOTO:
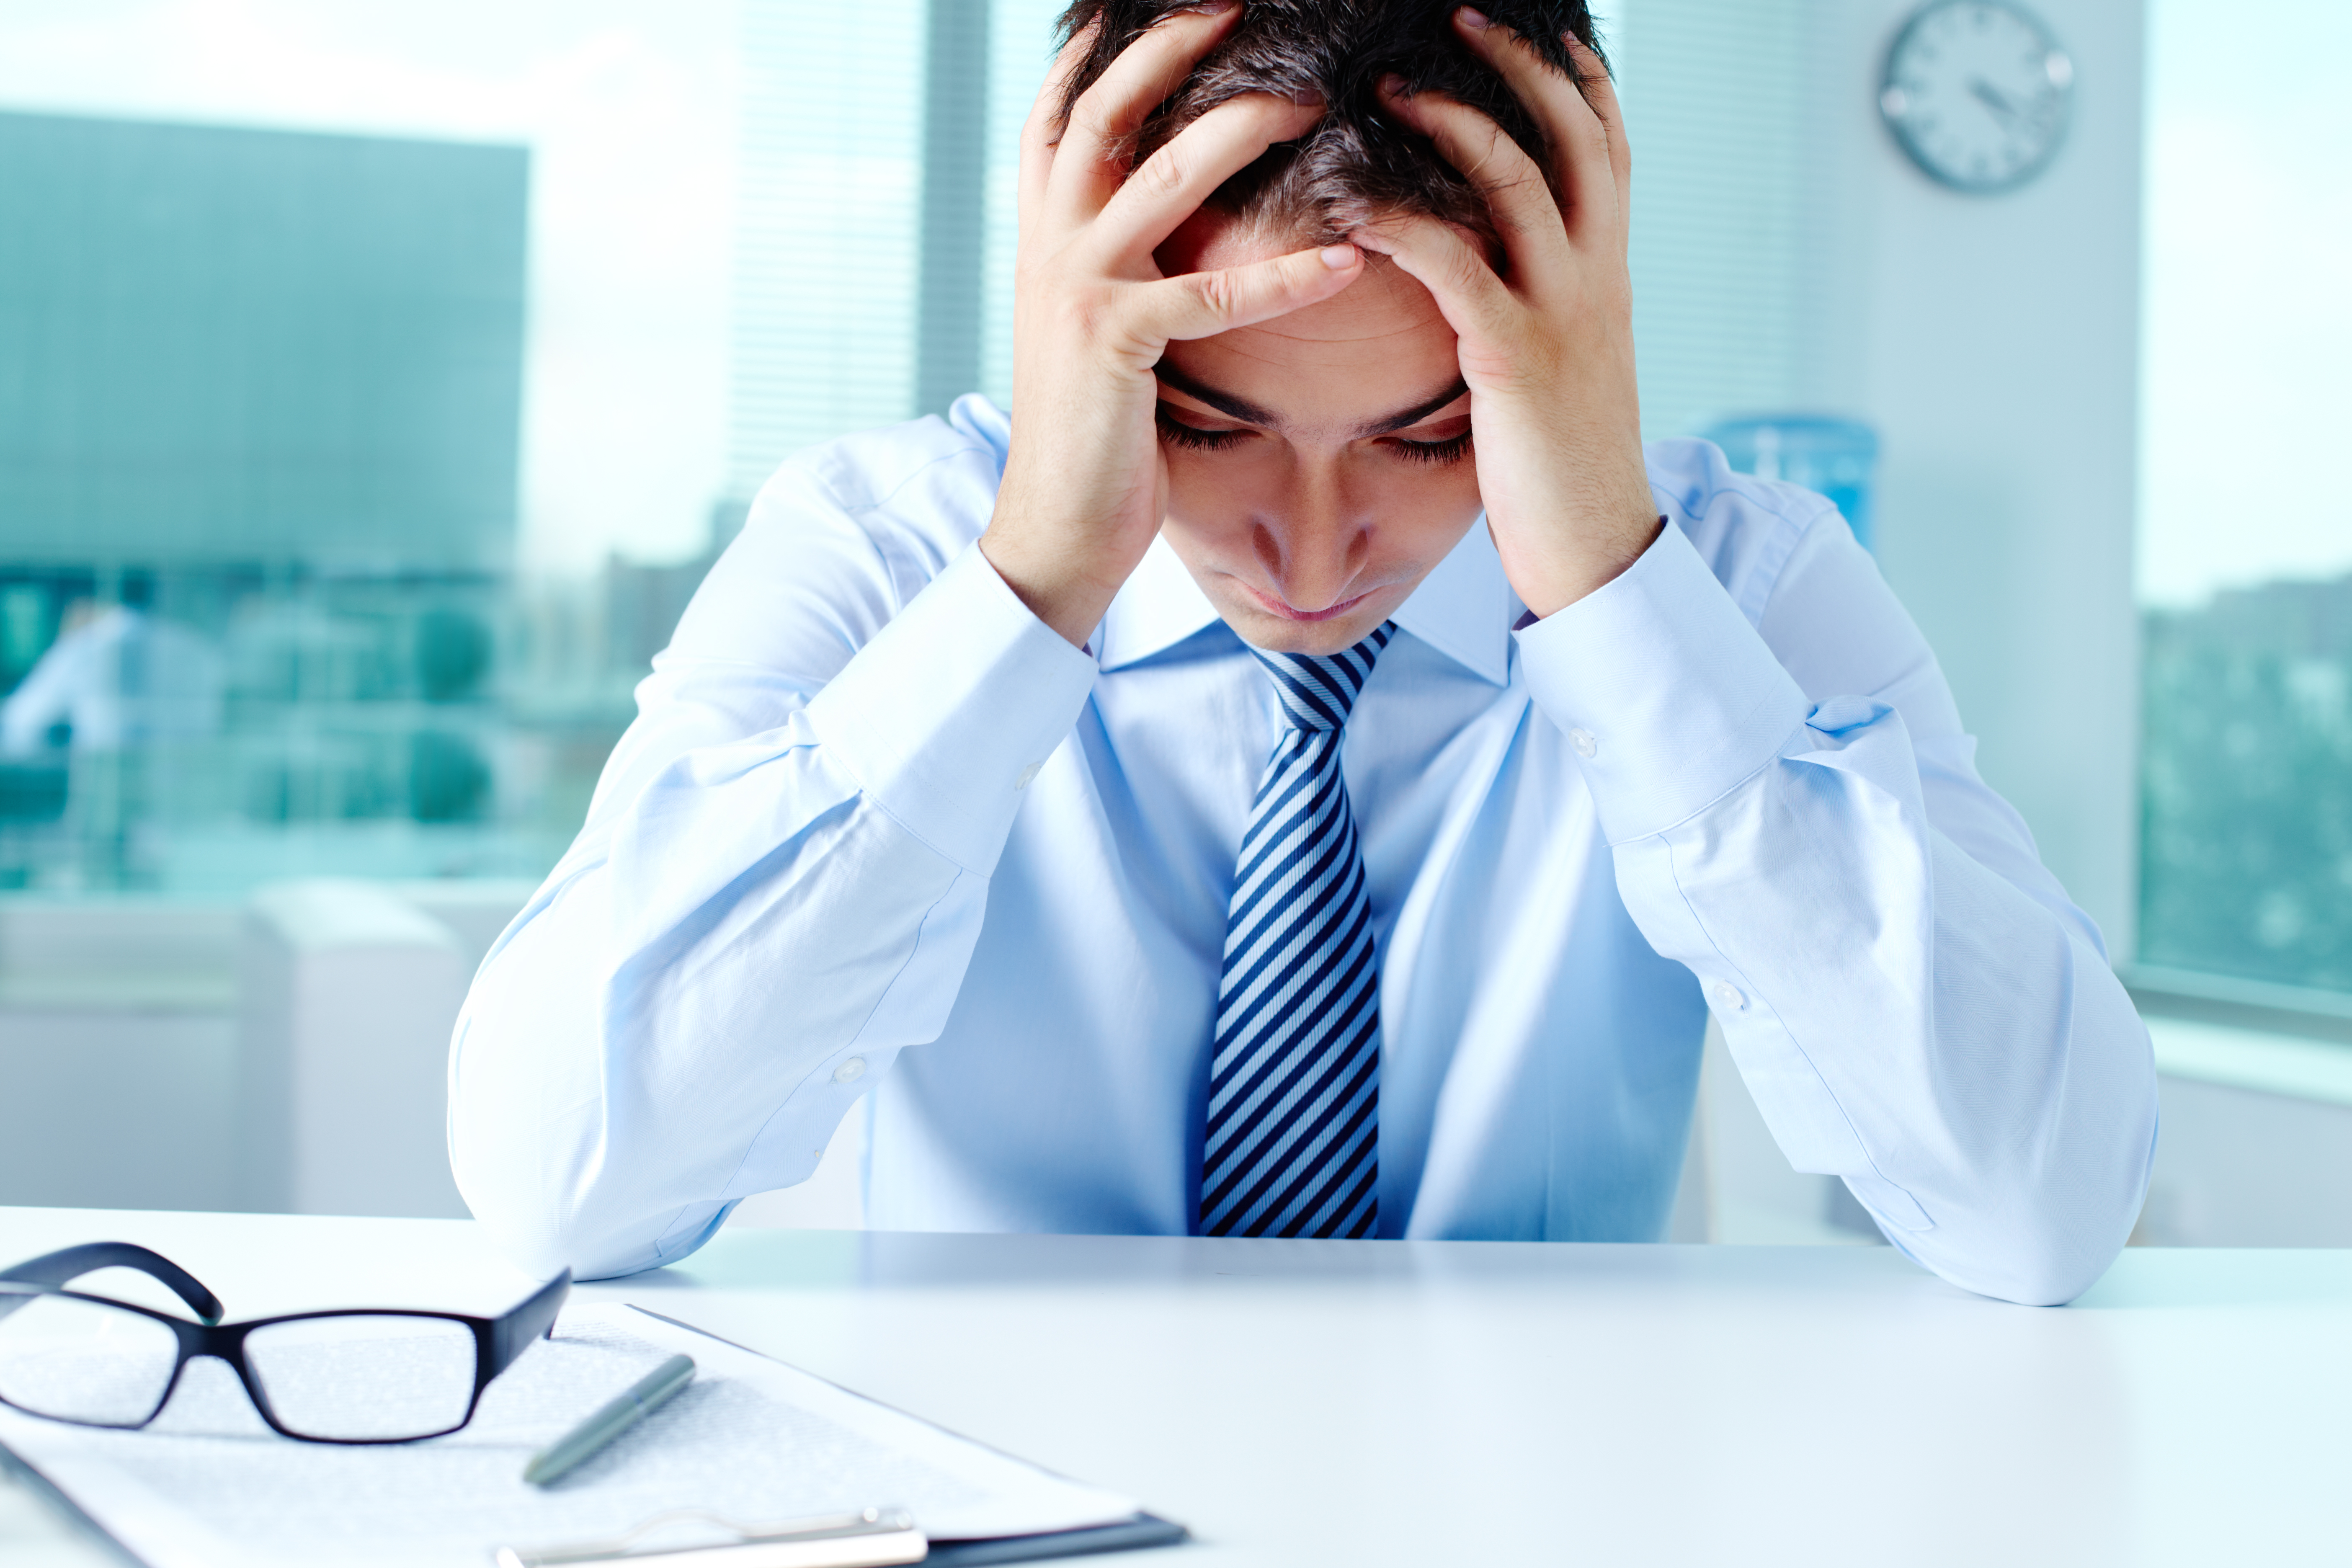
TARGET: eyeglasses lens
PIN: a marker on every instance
(82, 1360)
(362, 1376)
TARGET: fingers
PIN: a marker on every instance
(1044, 126)
(1533, 232)
(1174, 181)
(1599, 95)
(1477, 304)
(1090, 160)
(1580, 137)
(1202, 304)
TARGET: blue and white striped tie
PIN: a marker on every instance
(1293, 1141)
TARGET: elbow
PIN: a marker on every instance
(544, 1197)
(2026, 1264)
(541, 1244)
(543, 1231)
(2049, 1245)
(2041, 1271)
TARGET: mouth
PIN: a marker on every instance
(1289, 612)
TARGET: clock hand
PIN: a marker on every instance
(1993, 99)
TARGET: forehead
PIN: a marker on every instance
(1378, 345)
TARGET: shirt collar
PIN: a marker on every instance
(1464, 609)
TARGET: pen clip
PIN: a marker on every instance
(870, 1538)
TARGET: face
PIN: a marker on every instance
(1319, 464)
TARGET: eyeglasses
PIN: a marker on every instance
(321, 1378)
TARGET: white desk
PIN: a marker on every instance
(1361, 1402)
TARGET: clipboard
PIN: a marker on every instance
(874, 1538)
(1144, 1530)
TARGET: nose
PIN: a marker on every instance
(1316, 539)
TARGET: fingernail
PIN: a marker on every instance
(1474, 17)
(1338, 257)
(1392, 86)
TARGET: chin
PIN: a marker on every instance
(1279, 634)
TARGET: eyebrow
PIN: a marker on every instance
(1249, 413)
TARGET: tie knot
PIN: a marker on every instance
(1318, 689)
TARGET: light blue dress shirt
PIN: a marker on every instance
(879, 833)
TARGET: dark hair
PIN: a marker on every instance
(1356, 163)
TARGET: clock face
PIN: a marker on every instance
(1977, 92)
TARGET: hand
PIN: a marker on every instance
(1085, 483)
(1548, 356)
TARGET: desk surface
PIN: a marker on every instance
(1361, 1402)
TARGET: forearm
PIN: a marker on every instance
(739, 948)
(618, 1076)
(1935, 1025)
(1910, 1022)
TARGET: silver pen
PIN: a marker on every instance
(641, 1400)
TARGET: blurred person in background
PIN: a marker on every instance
(118, 676)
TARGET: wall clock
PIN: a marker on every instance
(1977, 92)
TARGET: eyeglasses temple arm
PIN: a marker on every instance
(73, 1262)
(511, 1334)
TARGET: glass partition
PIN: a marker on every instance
(376, 387)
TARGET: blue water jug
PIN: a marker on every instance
(1837, 458)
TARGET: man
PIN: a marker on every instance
(1180, 811)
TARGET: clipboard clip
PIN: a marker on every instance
(871, 1538)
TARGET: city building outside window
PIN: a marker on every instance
(2245, 558)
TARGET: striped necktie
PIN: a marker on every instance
(1292, 1146)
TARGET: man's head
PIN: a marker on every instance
(1319, 463)
(1358, 164)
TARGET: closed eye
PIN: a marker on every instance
(1191, 437)
(1453, 449)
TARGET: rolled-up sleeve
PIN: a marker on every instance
(1910, 996)
(779, 886)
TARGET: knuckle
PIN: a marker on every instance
(1221, 292)
(1090, 123)
(1163, 174)
(1465, 273)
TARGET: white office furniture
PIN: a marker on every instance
(117, 1053)
(1456, 1403)
(345, 986)
(348, 993)
(2256, 1147)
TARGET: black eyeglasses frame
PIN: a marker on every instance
(496, 1340)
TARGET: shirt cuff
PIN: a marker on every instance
(1669, 698)
(945, 717)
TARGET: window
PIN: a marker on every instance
(2245, 560)
(376, 385)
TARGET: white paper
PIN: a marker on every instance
(752, 1440)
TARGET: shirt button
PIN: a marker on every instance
(850, 1072)
(1583, 741)
(1727, 997)
(1027, 774)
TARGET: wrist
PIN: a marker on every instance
(1581, 549)
(1050, 581)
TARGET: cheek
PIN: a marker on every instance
(1212, 495)
(1425, 509)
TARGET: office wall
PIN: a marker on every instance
(1994, 340)
(1788, 256)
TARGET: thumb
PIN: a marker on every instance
(1202, 304)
